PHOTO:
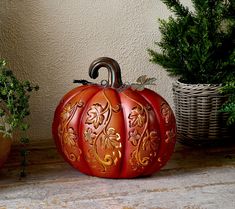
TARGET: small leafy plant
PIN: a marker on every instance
(14, 107)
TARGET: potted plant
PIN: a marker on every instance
(198, 47)
(14, 107)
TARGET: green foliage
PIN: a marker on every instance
(229, 106)
(176, 7)
(199, 45)
(14, 106)
(141, 82)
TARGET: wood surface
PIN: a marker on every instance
(194, 178)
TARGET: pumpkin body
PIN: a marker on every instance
(114, 134)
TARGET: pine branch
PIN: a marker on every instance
(176, 7)
(161, 59)
(199, 47)
(198, 5)
(231, 10)
(166, 62)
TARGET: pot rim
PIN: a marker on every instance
(209, 88)
(197, 84)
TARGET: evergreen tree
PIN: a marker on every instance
(199, 45)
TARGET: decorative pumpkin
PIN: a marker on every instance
(113, 130)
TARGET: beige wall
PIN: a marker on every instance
(52, 42)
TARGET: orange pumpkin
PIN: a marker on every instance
(114, 131)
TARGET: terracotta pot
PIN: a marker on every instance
(5, 147)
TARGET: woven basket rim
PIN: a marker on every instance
(196, 87)
(197, 84)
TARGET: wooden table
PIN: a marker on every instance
(193, 179)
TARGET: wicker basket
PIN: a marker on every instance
(199, 121)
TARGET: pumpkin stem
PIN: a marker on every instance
(113, 69)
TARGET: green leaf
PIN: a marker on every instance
(142, 81)
(137, 87)
(24, 140)
(2, 112)
(145, 80)
(24, 126)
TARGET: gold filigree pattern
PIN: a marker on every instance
(110, 140)
(105, 145)
(150, 142)
(134, 137)
(146, 142)
(66, 133)
(70, 137)
(166, 112)
(95, 115)
(90, 136)
(137, 117)
(72, 157)
(66, 112)
(170, 134)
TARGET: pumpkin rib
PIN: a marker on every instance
(56, 121)
(79, 129)
(124, 141)
(72, 94)
(73, 100)
(147, 94)
(142, 93)
(143, 98)
(135, 97)
(117, 108)
(124, 173)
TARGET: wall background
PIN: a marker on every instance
(53, 42)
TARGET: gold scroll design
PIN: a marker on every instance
(105, 145)
(68, 137)
(170, 133)
(167, 114)
(146, 142)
